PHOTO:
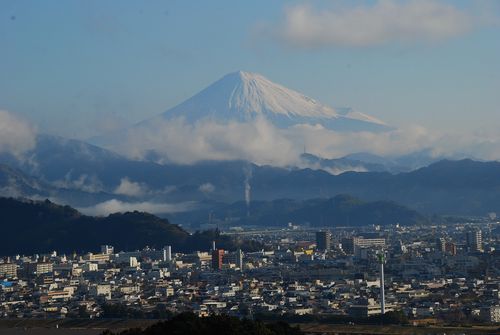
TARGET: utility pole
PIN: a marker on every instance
(382, 293)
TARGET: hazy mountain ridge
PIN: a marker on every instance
(15, 182)
(341, 210)
(83, 175)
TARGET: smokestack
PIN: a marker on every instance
(382, 281)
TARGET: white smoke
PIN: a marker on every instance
(248, 176)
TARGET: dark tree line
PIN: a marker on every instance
(188, 323)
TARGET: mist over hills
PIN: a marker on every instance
(86, 176)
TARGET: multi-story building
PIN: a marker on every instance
(474, 240)
(8, 270)
(441, 244)
(107, 249)
(323, 240)
(38, 268)
(362, 242)
(451, 248)
(217, 259)
(491, 314)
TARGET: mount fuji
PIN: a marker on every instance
(240, 116)
(244, 96)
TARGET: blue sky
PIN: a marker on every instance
(80, 68)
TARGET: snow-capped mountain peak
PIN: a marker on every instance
(253, 93)
(243, 96)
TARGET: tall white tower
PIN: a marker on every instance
(382, 281)
(167, 253)
(239, 259)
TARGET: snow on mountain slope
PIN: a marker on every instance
(243, 96)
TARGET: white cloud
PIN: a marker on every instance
(260, 142)
(207, 188)
(117, 206)
(130, 188)
(257, 141)
(16, 135)
(367, 25)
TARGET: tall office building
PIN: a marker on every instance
(217, 258)
(474, 240)
(323, 240)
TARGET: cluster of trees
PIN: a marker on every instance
(188, 323)
(269, 324)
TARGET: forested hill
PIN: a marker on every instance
(41, 226)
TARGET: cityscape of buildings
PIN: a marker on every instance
(444, 273)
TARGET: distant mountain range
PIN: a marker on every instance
(339, 211)
(83, 175)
